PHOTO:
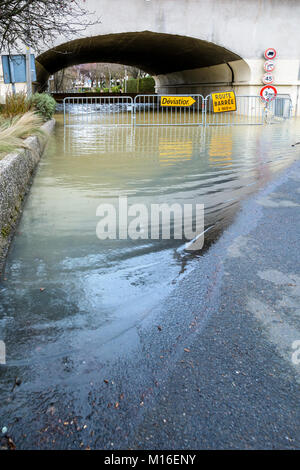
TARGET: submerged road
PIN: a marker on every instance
(236, 385)
(210, 366)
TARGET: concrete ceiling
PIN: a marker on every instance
(155, 53)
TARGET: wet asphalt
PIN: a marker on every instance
(234, 383)
(213, 368)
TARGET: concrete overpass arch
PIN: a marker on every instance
(190, 45)
(179, 64)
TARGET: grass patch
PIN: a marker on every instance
(13, 131)
(15, 105)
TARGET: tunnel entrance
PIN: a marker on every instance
(173, 60)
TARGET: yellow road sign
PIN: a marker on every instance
(223, 102)
(177, 101)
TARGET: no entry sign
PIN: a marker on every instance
(268, 93)
(270, 53)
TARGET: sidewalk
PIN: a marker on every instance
(235, 385)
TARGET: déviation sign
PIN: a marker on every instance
(177, 101)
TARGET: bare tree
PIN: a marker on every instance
(64, 80)
(134, 72)
(38, 22)
(58, 81)
(93, 75)
(100, 73)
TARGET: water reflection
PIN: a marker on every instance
(220, 147)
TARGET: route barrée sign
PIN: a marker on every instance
(223, 102)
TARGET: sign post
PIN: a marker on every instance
(28, 72)
(12, 74)
(269, 92)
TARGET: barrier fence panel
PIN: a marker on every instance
(106, 110)
(280, 108)
(249, 110)
(192, 110)
(149, 112)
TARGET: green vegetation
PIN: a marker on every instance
(141, 85)
(43, 104)
(116, 89)
(21, 117)
(15, 104)
(147, 85)
(18, 104)
(13, 131)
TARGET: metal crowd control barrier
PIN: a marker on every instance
(146, 110)
(149, 112)
(249, 110)
(106, 110)
(280, 108)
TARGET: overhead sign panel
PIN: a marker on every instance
(223, 102)
(177, 101)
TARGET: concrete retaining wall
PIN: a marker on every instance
(16, 171)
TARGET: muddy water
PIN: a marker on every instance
(70, 299)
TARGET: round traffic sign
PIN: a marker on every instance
(268, 93)
(270, 53)
(269, 66)
(268, 78)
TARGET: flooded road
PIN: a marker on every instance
(69, 301)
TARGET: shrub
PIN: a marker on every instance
(105, 90)
(43, 104)
(14, 131)
(15, 104)
(116, 89)
(147, 85)
(141, 85)
(131, 85)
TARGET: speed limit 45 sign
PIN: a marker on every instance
(268, 78)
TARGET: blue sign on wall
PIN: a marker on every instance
(14, 68)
